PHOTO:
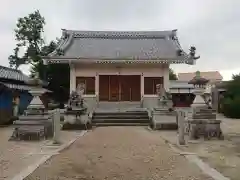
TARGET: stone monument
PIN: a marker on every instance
(202, 120)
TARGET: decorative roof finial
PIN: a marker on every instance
(198, 74)
(193, 52)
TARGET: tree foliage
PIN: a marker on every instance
(29, 37)
(172, 75)
(30, 42)
(231, 100)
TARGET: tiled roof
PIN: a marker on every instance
(120, 45)
(23, 87)
(16, 86)
(213, 76)
(13, 74)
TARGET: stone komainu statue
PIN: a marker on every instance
(75, 100)
(162, 94)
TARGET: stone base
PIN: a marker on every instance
(28, 133)
(33, 127)
(163, 119)
(73, 123)
(206, 128)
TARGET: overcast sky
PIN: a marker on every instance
(212, 26)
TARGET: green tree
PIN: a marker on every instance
(231, 100)
(172, 75)
(29, 36)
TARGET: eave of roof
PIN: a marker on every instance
(22, 87)
(12, 74)
(56, 60)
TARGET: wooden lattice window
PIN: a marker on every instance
(89, 84)
(150, 84)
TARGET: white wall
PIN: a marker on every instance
(149, 71)
(145, 70)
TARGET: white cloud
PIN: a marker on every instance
(212, 26)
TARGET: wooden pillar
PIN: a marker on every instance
(215, 99)
(142, 85)
(96, 84)
(72, 77)
(166, 77)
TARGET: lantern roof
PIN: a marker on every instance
(35, 81)
(198, 80)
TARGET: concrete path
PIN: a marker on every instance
(124, 153)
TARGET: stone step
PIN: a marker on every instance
(165, 126)
(31, 123)
(119, 113)
(105, 116)
(205, 114)
(204, 117)
(120, 124)
(213, 116)
(120, 120)
(164, 113)
(160, 109)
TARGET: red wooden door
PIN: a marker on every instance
(130, 88)
(114, 88)
(119, 88)
(135, 88)
(104, 88)
(125, 90)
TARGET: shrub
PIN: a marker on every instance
(231, 107)
(231, 100)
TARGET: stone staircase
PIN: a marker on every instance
(121, 118)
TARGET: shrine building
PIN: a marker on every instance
(120, 65)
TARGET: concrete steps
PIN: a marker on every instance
(120, 124)
(120, 118)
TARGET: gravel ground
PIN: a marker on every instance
(223, 155)
(16, 156)
(114, 153)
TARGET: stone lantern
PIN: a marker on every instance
(36, 91)
(35, 123)
(199, 84)
(202, 121)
